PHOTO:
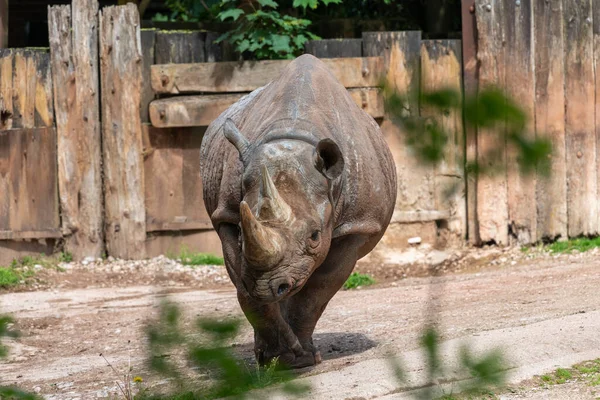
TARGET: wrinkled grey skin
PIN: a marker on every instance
(299, 184)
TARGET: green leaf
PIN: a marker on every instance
(234, 13)
(305, 3)
(243, 45)
(328, 2)
(300, 40)
(268, 3)
(280, 44)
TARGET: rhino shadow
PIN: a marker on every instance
(334, 345)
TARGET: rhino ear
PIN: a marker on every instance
(329, 159)
(235, 137)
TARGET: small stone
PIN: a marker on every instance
(110, 259)
(37, 389)
(37, 267)
(414, 240)
(117, 331)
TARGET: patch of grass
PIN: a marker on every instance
(588, 372)
(65, 257)
(569, 246)
(8, 278)
(357, 279)
(191, 258)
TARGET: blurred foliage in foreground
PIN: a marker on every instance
(230, 376)
(8, 392)
(210, 355)
(491, 112)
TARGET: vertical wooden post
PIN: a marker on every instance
(74, 58)
(3, 24)
(441, 69)
(470, 78)
(596, 31)
(551, 193)
(582, 200)
(492, 192)
(520, 85)
(121, 78)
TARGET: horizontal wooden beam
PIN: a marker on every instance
(184, 111)
(178, 226)
(230, 77)
(406, 217)
(47, 234)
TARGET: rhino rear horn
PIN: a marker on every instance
(271, 206)
(235, 137)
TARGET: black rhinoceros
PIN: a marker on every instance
(299, 184)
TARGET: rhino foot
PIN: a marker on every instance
(295, 357)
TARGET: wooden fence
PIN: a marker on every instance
(100, 137)
(544, 53)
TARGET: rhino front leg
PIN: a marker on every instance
(273, 337)
(303, 310)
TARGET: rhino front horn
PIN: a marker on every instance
(261, 245)
(235, 137)
(271, 206)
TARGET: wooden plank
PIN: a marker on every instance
(180, 47)
(492, 191)
(29, 235)
(178, 226)
(441, 68)
(582, 201)
(551, 193)
(3, 23)
(405, 217)
(6, 88)
(173, 184)
(44, 102)
(74, 60)
(30, 191)
(121, 79)
(334, 48)
(470, 80)
(596, 33)
(184, 111)
(401, 52)
(24, 86)
(148, 45)
(520, 85)
(250, 75)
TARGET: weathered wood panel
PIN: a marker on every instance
(148, 44)
(469, 52)
(121, 79)
(180, 47)
(3, 23)
(582, 200)
(184, 111)
(551, 192)
(492, 192)
(250, 75)
(334, 48)
(441, 68)
(172, 180)
(24, 82)
(520, 85)
(28, 180)
(44, 100)
(596, 33)
(401, 52)
(6, 88)
(74, 56)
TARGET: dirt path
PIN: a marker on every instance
(545, 312)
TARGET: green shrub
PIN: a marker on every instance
(357, 279)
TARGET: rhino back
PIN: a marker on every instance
(306, 91)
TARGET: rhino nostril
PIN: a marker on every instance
(283, 289)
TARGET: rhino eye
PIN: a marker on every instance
(315, 236)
